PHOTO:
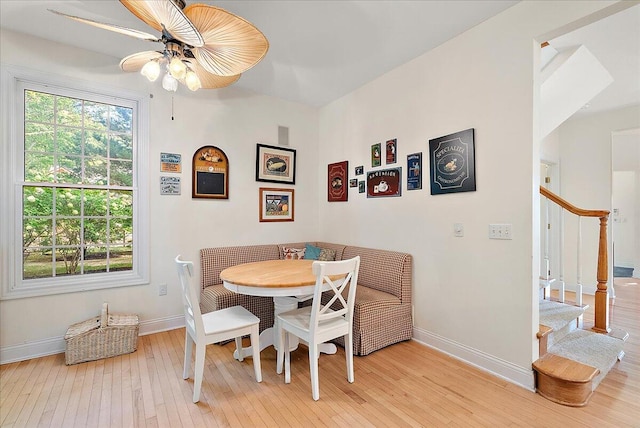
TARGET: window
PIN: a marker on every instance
(77, 162)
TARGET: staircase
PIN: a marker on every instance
(575, 360)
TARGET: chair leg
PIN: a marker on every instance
(255, 346)
(313, 368)
(199, 370)
(239, 348)
(279, 354)
(287, 357)
(188, 348)
(348, 350)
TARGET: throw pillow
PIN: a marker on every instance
(311, 252)
(293, 253)
(327, 255)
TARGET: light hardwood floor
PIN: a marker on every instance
(403, 385)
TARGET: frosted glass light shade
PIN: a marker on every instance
(177, 68)
(192, 81)
(169, 83)
(151, 70)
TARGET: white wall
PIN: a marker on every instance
(586, 171)
(473, 297)
(230, 119)
(624, 234)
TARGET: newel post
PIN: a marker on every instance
(601, 324)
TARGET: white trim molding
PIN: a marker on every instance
(520, 376)
(57, 345)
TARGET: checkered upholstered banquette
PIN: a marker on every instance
(214, 296)
(382, 311)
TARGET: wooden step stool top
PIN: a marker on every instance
(563, 380)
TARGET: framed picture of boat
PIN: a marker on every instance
(275, 164)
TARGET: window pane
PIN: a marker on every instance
(96, 115)
(95, 171)
(38, 264)
(95, 203)
(69, 140)
(38, 137)
(95, 260)
(38, 168)
(120, 231)
(67, 231)
(37, 232)
(121, 203)
(95, 144)
(68, 111)
(37, 202)
(121, 173)
(95, 231)
(69, 169)
(38, 107)
(120, 258)
(120, 119)
(120, 147)
(68, 261)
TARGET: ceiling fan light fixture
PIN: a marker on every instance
(169, 83)
(177, 68)
(151, 70)
(192, 81)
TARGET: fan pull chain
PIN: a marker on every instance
(171, 108)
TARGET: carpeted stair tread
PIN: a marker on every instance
(593, 349)
(558, 315)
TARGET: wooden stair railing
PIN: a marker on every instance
(601, 321)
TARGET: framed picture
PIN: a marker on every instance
(391, 151)
(276, 204)
(360, 170)
(275, 164)
(452, 163)
(170, 162)
(353, 182)
(169, 185)
(210, 173)
(361, 186)
(384, 182)
(414, 171)
(337, 181)
(376, 155)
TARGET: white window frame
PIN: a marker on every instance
(14, 81)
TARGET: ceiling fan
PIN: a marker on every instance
(204, 46)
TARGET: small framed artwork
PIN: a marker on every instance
(360, 170)
(376, 155)
(210, 173)
(452, 163)
(385, 182)
(169, 185)
(361, 186)
(337, 181)
(414, 171)
(275, 164)
(276, 204)
(391, 151)
(170, 162)
(353, 182)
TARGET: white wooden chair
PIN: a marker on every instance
(319, 323)
(212, 327)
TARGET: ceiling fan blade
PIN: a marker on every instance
(136, 61)
(209, 80)
(159, 13)
(232, 45)
(111, 27)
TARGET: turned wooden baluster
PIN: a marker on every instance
(602, 296)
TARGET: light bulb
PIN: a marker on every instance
(177, 68)
(169, 83)
(151, 70)
(192, 81)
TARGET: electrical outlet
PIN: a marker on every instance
(162, 290)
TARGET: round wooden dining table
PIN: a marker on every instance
(286, 281)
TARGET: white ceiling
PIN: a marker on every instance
(322, 50)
